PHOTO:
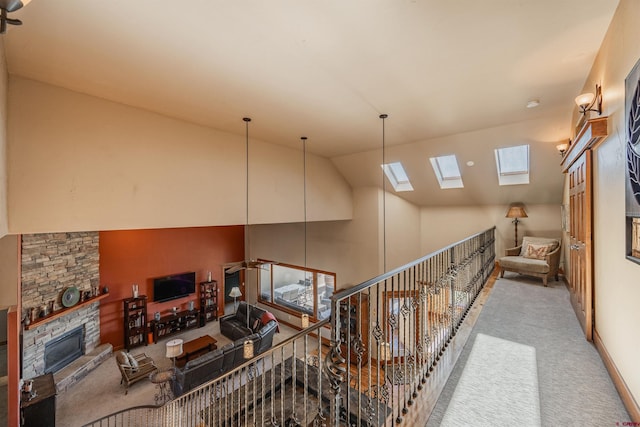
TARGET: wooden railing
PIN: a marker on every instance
(364, 366)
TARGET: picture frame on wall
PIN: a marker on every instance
(632, 170)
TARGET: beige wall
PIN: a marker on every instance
(617, 288)
(92, 164)
(351, 249)
(4, 223)
(443, 226)
(8, 271)
(403, 231)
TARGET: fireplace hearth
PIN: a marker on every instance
(61, 351)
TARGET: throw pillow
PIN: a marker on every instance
(133, 362)
(536, 251)
(123, 359)
(256, 325)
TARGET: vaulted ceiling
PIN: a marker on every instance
(454, 76)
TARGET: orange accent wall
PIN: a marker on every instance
(137, 256)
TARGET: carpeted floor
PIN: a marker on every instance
(499, 386)
(575, 388)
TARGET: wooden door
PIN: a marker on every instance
(580, 244)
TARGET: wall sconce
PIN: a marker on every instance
(587, 101)
(562, 148)
(304, 321)
(7, 6)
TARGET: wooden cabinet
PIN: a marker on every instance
(208, 301)
(135, 322)
(39, 409)
(174, 323)
(354, 324)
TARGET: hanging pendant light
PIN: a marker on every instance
(247, 263)
(304, 319)
(8, 6)
(384, 199)
(304, 193)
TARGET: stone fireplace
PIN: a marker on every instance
(52, 262)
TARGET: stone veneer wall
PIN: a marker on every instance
(51, 262)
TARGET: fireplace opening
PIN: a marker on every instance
(61, 351)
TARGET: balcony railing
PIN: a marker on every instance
(364, 366)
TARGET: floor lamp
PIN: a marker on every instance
(235, 294)
(516, 212)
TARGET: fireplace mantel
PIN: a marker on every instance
(63, 311)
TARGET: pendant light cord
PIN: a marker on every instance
(384, 200)
(246, 228)
(304, 172)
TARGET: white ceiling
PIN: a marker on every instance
(325, 68)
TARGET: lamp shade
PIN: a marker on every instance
(585, 99)
(516, 212)
(174, 348)
(235, 292)
(13, 5)
(247, 350)
(385, 352)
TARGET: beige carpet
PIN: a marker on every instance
(100, 392)
(498, 386)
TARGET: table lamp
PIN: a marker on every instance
(174, 349)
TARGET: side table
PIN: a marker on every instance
(161, 378)
(39, 408)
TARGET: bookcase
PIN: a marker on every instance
(208, 301)
(135, 322)
(354, 319)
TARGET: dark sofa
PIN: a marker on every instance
(218, 362)
(234, 326)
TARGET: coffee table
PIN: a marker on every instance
(195, 348)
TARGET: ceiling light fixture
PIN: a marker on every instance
(533, 103)
(587, 101)
(8, 6)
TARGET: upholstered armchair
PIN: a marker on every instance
(134, 368)
(537, 256)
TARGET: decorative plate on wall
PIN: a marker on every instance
(70, 296)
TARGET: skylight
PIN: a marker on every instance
(513, 165)
(397, 177)
(447, 171)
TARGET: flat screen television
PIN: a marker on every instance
(175, 286)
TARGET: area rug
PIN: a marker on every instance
(498, 387)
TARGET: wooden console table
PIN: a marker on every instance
(173, 323)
